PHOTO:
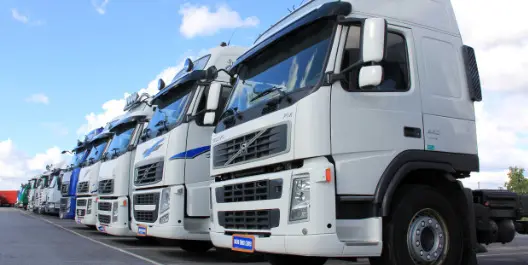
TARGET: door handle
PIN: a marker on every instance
(412, 132)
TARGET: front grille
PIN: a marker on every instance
(249, 220)
(256, 145)
(146, 199)
(65, 188)
(81, 202)
(104, 219)
(106, 186)
(82, 187)
(81, 212)
(105, 206)
(148, 174)
(64, 204)
(250, 191)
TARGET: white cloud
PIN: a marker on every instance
(100, 6)
(56, 127)
(114, 107)
(16, 166)
(18, 16)
(38, 98)
(200, 21)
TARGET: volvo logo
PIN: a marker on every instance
(243, 148)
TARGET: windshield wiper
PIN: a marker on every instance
(163, 122)
(270, 90)
(230, 113)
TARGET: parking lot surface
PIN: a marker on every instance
(46, 240)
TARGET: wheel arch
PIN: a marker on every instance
(442, 169)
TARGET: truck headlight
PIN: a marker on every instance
(89, 206)
(165, 200)
(114, 212)
(300, 198)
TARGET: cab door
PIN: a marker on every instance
(197, 154)
(369, 127)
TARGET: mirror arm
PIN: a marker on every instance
(331, 77)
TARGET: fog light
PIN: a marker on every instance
(164, 219)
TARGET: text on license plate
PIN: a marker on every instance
(243, 243)
(142, 231)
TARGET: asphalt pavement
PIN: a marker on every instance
(29, 238)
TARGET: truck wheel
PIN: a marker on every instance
(195, 246)
(422, 228)
(280, 259)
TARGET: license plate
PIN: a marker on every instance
(101, 228)
(79, 220)
(142, 230)
(243, 243)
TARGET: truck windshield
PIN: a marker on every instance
(293, 64)
(78, 157)
(120, 141)
(53, 182)
(169, 112)
(97, 151)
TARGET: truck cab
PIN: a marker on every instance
(70, 175)
(171, 183)
(115, 174)
(52, 197)
(348, 130)
(31, 194)
(87, 187)
(40, 193)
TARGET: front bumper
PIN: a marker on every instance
(67, 207)
(318, 235)
(52, 208)
(176, 227)
(86, 216)
(107, 222)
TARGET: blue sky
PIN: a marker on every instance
(79, 54)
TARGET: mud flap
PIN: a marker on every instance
(471, 247)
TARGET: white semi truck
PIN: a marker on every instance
(348, 129)
(87, 187)
(50, 201)
(115, 181)
(31, 194)
(171, 166)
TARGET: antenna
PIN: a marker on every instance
(229, 42)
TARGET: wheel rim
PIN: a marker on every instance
(428, 237)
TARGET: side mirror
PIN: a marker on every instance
(374, 38)
(370, 76)
(161, 84)
(212, 103)
(131, 148)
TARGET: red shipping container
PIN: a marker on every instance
(8, 197)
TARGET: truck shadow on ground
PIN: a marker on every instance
(213, 256)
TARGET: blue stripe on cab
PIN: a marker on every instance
(191, 153)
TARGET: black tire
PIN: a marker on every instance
(409, 201)
(280, 259)
(195, 246)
